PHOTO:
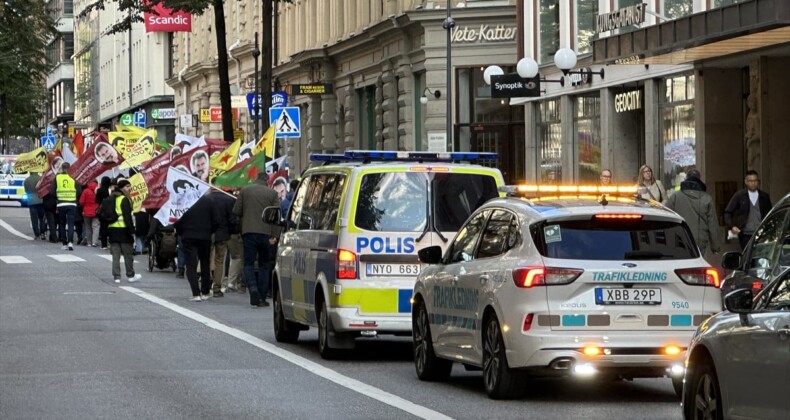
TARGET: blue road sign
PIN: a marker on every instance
(251, 106)
(279, 99)
(286, 121)
(139, 119)
(49, 131)
(49, 142)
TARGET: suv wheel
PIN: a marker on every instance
(500, 381)
(324, 330)
(428, 366)
(284, 331)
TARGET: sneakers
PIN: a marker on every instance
(205, 297)
(71, 246)
(217, 293)
(135, 278)
(104, 247)
(64, 247)
(94, 245)
(117, 280)
(195, 299)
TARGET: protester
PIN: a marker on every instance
(696, 207)
(141, 227)
(747, 208)
(650, 188)
(35, 205)
(121, 232)
(102, 192)
(222, 205)
(236, 250)
(606, 177)
(89, 208)
(51, 214)
(79, 220)
(255, 235)
(66, 191)
(195, 228)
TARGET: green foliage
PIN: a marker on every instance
(26, 27)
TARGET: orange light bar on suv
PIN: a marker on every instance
(536, 191)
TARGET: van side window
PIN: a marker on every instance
(298, 203)
(321, 202)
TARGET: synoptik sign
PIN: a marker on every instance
(167, 20)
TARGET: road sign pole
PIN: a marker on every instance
(256, 115)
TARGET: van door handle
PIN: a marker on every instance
(484, 278)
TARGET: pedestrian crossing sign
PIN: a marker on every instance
(286, 121)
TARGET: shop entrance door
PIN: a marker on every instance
(497, 139)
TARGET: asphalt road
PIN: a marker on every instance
(74, 345)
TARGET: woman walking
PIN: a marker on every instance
(650, 188)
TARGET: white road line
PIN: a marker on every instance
(310, 366)
(65, 258)
(14, 231)
(15, 259)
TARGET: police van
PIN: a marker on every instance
(347, 258)
(12, 186)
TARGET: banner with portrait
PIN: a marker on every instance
(195, 162)
(143, 150)
(55, 162)
(97, 159)
(138, 193)
(35, 161)
(183, 190)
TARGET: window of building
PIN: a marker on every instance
(674, 9)
(587, 120)
(722, 3)
(68, 48)
(678, 131)
(68, 7)
(366, 114)
(549, 137)
(585, 14)
(549, 12)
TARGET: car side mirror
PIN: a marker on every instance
(739, 301)
(430, 255)
(731, 260)
(272, 216)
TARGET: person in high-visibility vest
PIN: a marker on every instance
(121, 233)
(67, 192)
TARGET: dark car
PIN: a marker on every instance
(766, 255)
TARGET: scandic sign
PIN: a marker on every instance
(167, 20)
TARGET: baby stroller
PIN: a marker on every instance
(162, 249)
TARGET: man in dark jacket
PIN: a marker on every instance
(101, 193)
(35, 205)
(696, 207)
(120, 233)
(222, 204)
(195, 228)
(255, 235)
(747, 208)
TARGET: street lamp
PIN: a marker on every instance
(565, 60)
(448, 25)
(256, 52)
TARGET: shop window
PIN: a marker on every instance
(587, 120)
(585, 14)
(366, 114)
(678, 130)
(549, 129)
(549, 29)
(722, 3)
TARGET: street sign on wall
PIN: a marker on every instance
(286, 121)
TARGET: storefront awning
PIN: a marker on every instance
(719, 32)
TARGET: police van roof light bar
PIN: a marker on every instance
(403, 156)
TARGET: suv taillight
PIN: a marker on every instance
(704, 276)
(346, 264)
(544, 276)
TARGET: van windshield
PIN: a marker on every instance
(398, 202)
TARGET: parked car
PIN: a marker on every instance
(738, 364)
(766, 255)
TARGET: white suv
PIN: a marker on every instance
(588, 281)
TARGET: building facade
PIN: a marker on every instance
(60, 80)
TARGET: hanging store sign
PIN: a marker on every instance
(627, 16)
(628, 101)
(483, 33)
(310, 89)
(514, 86)
(164, 19)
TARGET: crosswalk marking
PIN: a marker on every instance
(15, 259)
(109, 257)
(65, 258)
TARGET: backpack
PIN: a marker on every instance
(107, 210)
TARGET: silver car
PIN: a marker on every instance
(573, 284)
(738, 365)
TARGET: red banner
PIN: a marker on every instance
(155, 172)
(99, 157)
(45, 183)
(167, 20)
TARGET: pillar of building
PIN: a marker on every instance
(653, 141)
(568, 154)
(531, 162)
(405, 106)
(389, 107)
(348, 117)
(329, 138)
(378, 110)
(314, 125)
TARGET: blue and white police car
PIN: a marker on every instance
(562, 280)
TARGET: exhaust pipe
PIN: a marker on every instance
(562, 363)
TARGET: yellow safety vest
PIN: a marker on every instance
(66, 188)
(120, 223)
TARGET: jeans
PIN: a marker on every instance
(103, 232)
(181, 257)
(36, 218)
(122, 248)
(220, 251)
(256, 246)
(236, 269)
(196, 250)
(52, 225)
(92, 226)
(66, 215)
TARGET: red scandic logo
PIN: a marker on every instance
(167, 20)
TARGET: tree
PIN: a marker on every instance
(26, 27)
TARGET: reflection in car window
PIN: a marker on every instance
(322, 202)
(298, 201)
(392, 202)
(463, 248)
(495, 236)
(763, 252)
(624, 240)
(458, 195)
(780, 297)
